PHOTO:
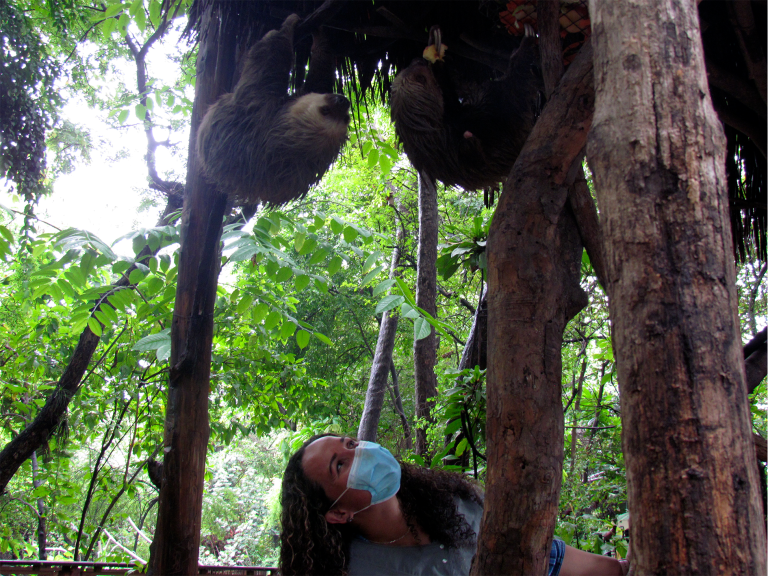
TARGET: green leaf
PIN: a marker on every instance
(101, 317)
(408, 311)
(244, 304)
(163, 352)
(134, 8)
(273, 319)
(284, 274)
(113, 10)
(108, 26)
(371, 275)
(373, 158)
(383, 286)
(334, 265)
(287, 330)
(66, 287)
(140, 110)
(94, 325)
(141, 23)
(462, 447)
(323, 338)
(371, 260)
(389, 150)
(153, 341)
(318, 256)
(389, 302)
(301, 282)
(336, 225)
(244, 253)
(350, 234)
(136, 276)
(421, 328)
(271, 267)
(308, 246)
(452, 426)
(385, 163)
(298, 240)
(418, 460)
(109, 312)
(404, 290)
(259, 312)
(123, 115)
(302, 339)
(154, 17)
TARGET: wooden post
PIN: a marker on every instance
(177, 537)
(534, 261)
(657, 152)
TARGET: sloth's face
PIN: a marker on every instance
(320, 117)
(322, 107)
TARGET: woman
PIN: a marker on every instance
(350, 508)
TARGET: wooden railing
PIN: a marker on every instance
(69, 568)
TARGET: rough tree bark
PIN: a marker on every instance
(657, 150)
(534, 259)
(382, 360)
(397, 404)
(177, 537)
(425, 350)
(579, 197)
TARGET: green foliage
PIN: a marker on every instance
(27, 102)
(465, 247)
(239, 525)
(296, 319)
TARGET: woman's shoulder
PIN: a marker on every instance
(472, 512)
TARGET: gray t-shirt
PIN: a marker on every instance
(434, 559)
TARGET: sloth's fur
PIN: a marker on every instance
(471, 142)
(257, 143)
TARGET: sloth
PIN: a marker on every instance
(257, 143)
(471, 141)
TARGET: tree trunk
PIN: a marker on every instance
(476, 349)
(397, 402)
(382, 359)
(575, 433)
(425, 350)
(534, 260)
(377, 385)
(177, 537)
(657, 150)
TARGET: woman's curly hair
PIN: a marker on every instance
(310, 545)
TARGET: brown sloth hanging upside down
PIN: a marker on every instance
(257, 143)
(470, 139)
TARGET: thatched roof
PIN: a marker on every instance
(374, 40)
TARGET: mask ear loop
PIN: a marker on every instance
(352, 515)
(337, 499)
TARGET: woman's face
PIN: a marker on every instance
(327, 461)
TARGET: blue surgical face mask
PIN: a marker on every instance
(373, 469)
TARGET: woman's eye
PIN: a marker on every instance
(351, 443)
(338, 467)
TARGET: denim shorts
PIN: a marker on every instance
(556, 555)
